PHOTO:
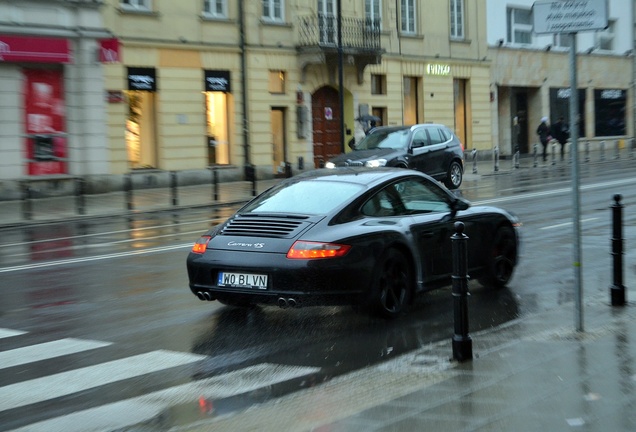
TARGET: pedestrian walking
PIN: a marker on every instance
(561, 132)
(543, 130)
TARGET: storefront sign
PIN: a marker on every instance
(109, 51)
(114, 96)
(217, 80)
(438, 69)
(44, 112)
(142, 79)
(612, 94)
(34, 49)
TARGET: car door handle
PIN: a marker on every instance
(427, 234)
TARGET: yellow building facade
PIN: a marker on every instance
(267, 83)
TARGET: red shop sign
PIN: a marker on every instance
(109, 51)
(34, 49)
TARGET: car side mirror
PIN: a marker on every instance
(352, 143)
(456, 205)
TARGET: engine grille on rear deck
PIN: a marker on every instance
(264, 226)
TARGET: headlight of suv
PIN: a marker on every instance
(375, 163)
(330, 165)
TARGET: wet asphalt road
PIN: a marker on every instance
(123, 282)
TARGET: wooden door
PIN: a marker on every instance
(325, 111)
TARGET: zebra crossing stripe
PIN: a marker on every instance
(66, 383)
(5, 333)
(47, 350)
(135, 411)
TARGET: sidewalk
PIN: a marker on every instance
(67, 207)
(534, 374)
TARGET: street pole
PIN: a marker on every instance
(574, 135)
(341, 78)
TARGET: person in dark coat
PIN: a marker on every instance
(561, 133)
(543, 130)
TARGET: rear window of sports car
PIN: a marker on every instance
(306, 197)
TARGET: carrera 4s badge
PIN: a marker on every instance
(247, 245)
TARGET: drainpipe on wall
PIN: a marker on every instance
(341, 79)
(246, 135)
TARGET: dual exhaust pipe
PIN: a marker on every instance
(282, 301)
(204, 295)
(287, 302)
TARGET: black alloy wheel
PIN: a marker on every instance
(502, 259)
(454, 176)
(393, 285)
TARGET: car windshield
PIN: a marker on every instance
(304, 197)
(394, 139)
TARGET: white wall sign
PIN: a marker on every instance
(569, 16)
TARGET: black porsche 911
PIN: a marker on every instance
(372, 238)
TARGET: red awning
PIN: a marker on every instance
(34, 49)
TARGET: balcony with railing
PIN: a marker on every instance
(317, 41)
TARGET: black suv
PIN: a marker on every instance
(430, 148)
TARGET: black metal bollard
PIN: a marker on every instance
(462, 343)
(128, 189)
(535, 154)
(250, 176)
(27, 207)
(587, 151)
(496, 152)
(617, 289)
(215, 184)
(174, 188)
(288, 170)
(80, 199)
(473, 154)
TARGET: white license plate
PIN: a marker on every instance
(243, 280)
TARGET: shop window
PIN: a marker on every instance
(140, 131)
(217, 128)
(560, 106)
(277, 82)
(457, 19)
(519, 26)
(273, 10)
(141, 5)
(410, 98)
(215, 8)
(605, 38)
(407, 15)
(378, 84)
(610, 107)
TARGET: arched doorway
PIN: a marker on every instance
(325, 112)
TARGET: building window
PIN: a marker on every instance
(273, 10)
(457, 19)
(373, 10)
(407, 13)
(610, 108)
(143, 5)
(519, 26)
(378, 84)
(277, 82)
(215, 8)
(562, 40)
(605, 38)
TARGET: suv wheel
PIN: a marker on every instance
(454, 175)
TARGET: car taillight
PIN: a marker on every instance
(201, 245)
(316, 250)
